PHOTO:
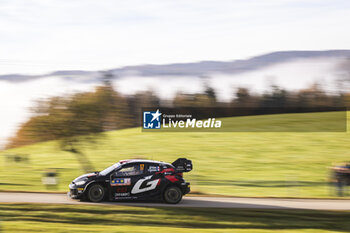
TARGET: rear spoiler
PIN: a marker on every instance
(182, 165)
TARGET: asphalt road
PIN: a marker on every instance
(211, 202)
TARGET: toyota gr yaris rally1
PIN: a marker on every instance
(134, 180)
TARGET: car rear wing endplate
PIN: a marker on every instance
(182, 165)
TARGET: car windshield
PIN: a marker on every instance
(109, 169)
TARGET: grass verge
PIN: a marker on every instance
(63, 218)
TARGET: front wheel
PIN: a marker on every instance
(96, 193)
(172, 195)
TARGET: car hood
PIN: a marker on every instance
(85, 176)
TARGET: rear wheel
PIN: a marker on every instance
(96, 193)
(172, 195)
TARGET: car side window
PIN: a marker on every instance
(152, 168)
(130, 170)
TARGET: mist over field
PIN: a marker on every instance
(16, 99)
(292, 74)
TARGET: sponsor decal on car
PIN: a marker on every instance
(167, 171)
(153, 169)
(125, 198)
(150, 185)
(122, 194)
(121, 182)
(122, 190)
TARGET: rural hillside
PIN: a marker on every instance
(274, 164)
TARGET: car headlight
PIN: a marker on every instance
(82, 182)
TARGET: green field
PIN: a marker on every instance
(60, 218)
(275, 164)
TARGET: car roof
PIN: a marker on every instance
(141, 161)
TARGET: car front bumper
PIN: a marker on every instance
(75, 192)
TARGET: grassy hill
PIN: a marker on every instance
(293, 164)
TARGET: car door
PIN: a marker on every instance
(123, 180)
(148, 186)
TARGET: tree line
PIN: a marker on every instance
(83, 115)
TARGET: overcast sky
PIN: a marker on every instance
(38, 36)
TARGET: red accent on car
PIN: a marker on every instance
(180, 174)
(168, 170)
(124, 161)
(171, 178)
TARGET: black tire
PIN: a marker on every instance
(96, 193)
(172, 195)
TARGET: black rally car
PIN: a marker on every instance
(134, 180)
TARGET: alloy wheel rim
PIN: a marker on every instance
(96, 193)
(173, 195)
